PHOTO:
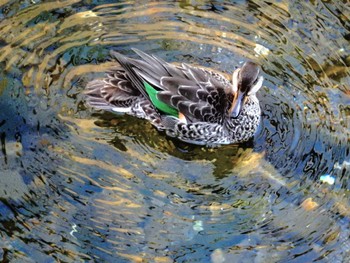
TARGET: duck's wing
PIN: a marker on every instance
(201, 96)
(113, 90)
(198, 94)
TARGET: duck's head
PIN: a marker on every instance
(245, 82)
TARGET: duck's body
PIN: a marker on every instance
(193, 104)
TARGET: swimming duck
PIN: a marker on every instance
(193, 104)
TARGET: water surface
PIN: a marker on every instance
(81, 185)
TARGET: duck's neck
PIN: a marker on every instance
(249, 117)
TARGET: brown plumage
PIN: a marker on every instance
(193, 104)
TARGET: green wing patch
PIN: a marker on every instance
(152, 93)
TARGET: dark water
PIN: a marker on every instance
(78, 185)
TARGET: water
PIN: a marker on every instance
(78, 185)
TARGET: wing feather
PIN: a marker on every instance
(195, 92)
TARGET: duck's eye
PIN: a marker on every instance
(255, 81)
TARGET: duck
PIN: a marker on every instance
(193, 104)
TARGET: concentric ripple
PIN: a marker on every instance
(80, 185)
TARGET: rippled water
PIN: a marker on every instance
(80, 185)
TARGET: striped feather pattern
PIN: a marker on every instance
(205, 100)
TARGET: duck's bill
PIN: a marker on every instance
(237, 104)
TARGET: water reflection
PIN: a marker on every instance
(79, 185)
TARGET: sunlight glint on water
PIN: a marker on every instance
(79, 185)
